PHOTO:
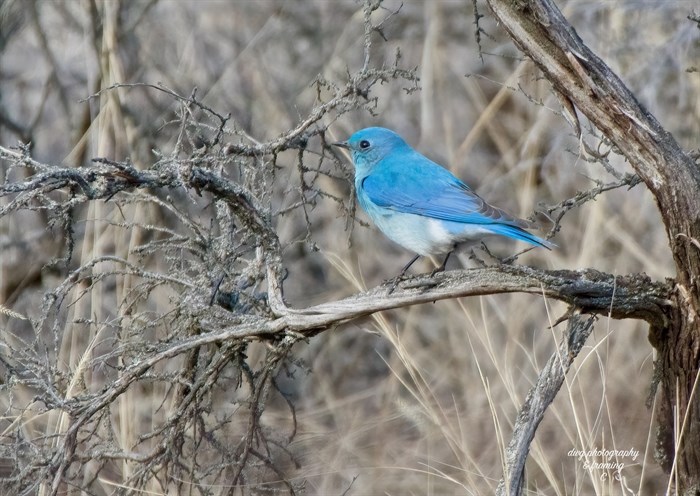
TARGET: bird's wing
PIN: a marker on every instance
(419, 186)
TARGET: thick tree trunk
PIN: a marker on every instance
(678, 411)
(585, 84)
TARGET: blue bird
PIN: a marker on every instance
(419, 204)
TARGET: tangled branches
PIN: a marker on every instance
(123, 326)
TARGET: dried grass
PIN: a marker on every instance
(414, 401)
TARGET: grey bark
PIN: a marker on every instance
(585, 84)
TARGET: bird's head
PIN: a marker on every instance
(370, 145)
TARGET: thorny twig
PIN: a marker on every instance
(201, 293)
(217, 261)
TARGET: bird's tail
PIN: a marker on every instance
(516, 232)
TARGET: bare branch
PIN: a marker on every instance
(540, 396)
(633, 296)
(589, 86)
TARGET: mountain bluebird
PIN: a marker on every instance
(419, 204)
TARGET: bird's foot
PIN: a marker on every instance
(437, 270)
(394, 282)
(422, 281)
(441, 268)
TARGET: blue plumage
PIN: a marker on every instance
(419, 204)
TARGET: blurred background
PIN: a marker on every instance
(419, 400)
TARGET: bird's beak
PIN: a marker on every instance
(342, 144)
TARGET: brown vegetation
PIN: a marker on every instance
(184, 289)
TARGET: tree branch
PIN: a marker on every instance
(630, 296)
(540, 396)
(585, 83)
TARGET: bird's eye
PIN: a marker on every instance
(364, 144)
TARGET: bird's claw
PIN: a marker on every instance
(420, 280)
(395, 282)
(437, 270)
